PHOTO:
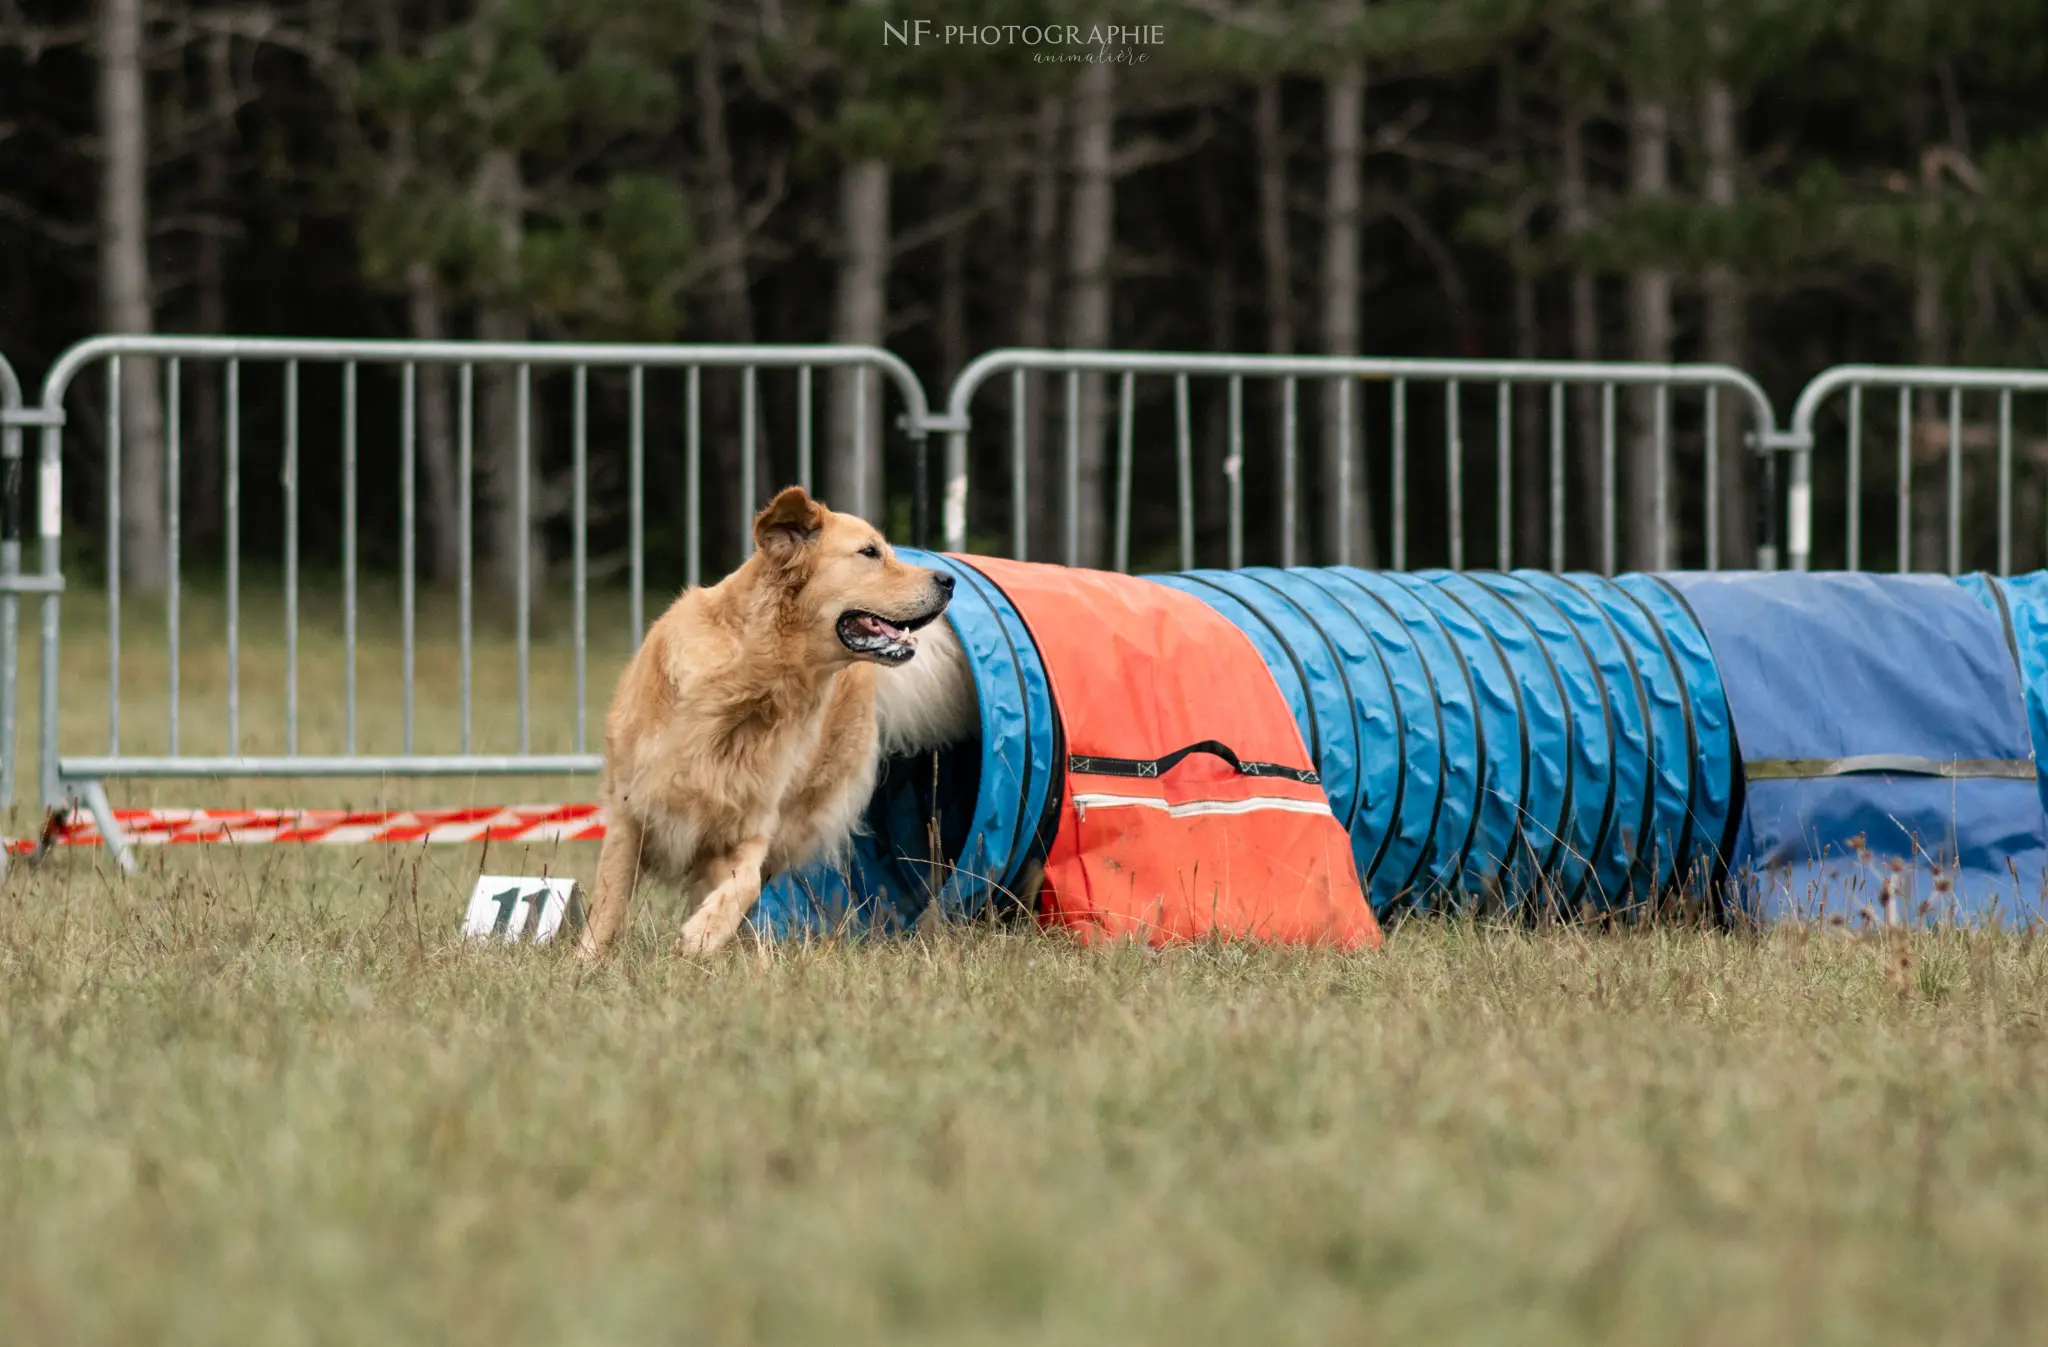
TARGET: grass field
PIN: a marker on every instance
(266, 1096)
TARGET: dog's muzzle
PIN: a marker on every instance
(890, 640)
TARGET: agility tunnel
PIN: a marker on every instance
(1782, 746)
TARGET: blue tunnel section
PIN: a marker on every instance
(1888, 766)
(1790, 746)
(1523, 740)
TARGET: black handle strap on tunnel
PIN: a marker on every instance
(1152, 767)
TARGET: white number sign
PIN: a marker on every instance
(517, 908)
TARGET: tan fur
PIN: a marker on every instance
(742, 739)
(929, 702)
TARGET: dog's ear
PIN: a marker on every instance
(791, 521)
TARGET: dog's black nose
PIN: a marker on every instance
(944, 580)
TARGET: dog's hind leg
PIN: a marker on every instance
(618, 872)
(736, 881)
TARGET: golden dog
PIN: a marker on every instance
(743, 738)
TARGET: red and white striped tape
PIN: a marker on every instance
(336, 827)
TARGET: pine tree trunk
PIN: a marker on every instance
(1649, 312)
(125, 299)
(860, 318)
(1728, 329)
(1344, 492)
(953, 352)
(1533, 544)
(1529, 457)
(204, 439)
(1930, 347)
(732, 317)
(1582, 510)
(1277, 257)
(499, 193)
(1090, 238)
(1273, 242)
(1034, 320)
(426, 313)
(1212, 440)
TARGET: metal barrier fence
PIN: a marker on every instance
(1348, 383)
(1392, 441)
(350, 365)
(1928, 422)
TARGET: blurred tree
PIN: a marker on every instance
(514, 172)
(127, 300)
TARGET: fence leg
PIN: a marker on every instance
(102, 811)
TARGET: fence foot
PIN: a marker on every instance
(93, 797)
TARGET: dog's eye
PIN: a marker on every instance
(871, 551)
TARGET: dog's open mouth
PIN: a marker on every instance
(890, 641)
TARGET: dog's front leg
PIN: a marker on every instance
(618, 871)
(736, 881)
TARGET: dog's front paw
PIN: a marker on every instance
(701, 937)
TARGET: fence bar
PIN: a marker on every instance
(331, 768)
(862, 505)
(348, 549)
(1713, 466)
(1345, 468)
(1607, 479)
(1183, 470)
(2005, 482)
(173, 512)
(232, 414)
(1660, 476)
(693, 484)
(750, 436)
(1454, 469)
(466, 475)
(49, 535)
(1855, 520)
(114, 453)
(1073, 469)
(580, 544)
(1126, 400)
(1400, 484)
(1503, 470)
(1290, 470)
(291, 556)
(1557, 477)
(1233, 472)
(408, 505)
(10, 569)
(636, 500)
(1955, 481)
(1905, 481)
(522, 510)
(1020, 500)
(803, 427)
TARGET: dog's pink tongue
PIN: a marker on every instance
(882, 627)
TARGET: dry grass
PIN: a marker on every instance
(267, 1096)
